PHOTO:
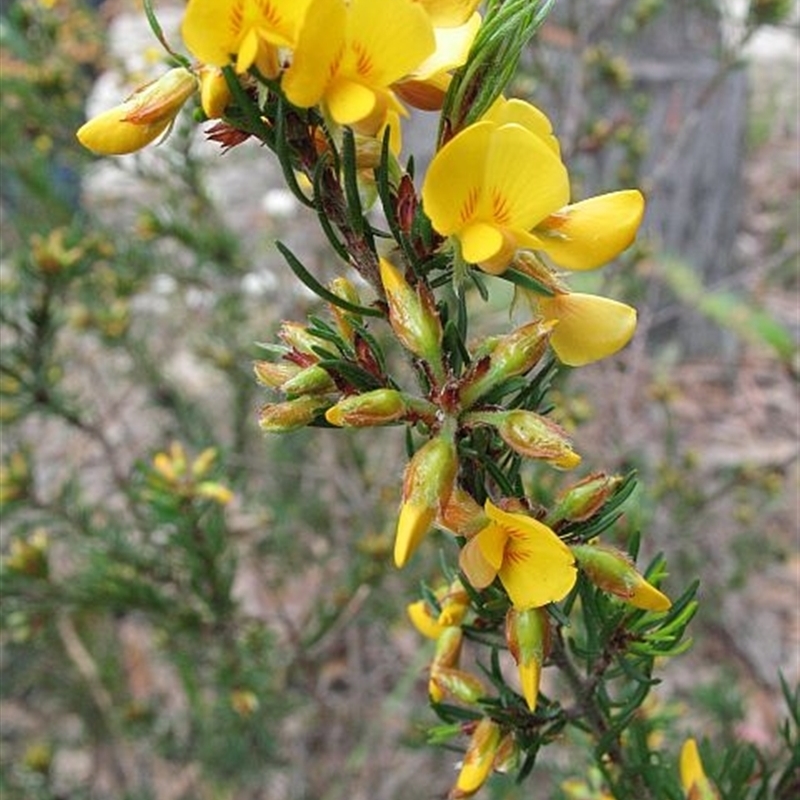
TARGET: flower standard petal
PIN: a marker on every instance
(347, 56)
(454, 179)
(380, 54)
(529, 116)
(589, 327)
(318, 54)
(449, 13)
(524, 180)
(587, 234)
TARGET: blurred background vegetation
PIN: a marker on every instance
(186, 622)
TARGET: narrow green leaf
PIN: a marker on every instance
(315, 286)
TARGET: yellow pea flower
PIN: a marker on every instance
(142, 118)
(533, 564)
(347, 57)
(693, 777)
(489, 186)
(254, 31)
(589, 327)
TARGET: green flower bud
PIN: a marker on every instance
(448, 682)
(412, 316)
(291, 414)
(310, 380)
(584, 499)
(530, 435)
(613, 571)
(528, 638)
(427, 485)
(511, 355)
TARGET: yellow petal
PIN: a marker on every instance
(449, 13)
(483, 242)
(210, 31)
(646, 596)
(691, 767)
(214, 30)
(452, 48)
(529, 116)
(589, 327)
(587, 234)
(492, 541)
(454, 178)
(538, 568)
(108, 134)
(501, 176)
(423, 621)
(529, 676)
(349, 102)
(412, 525)
(476, 567)
(524, 180)
(379, 53)
(319, 49)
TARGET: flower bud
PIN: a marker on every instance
(274, 375)
(216, 492)
(243, 702)
(296, 336)
(530, 435)
(427, 484)
(412, 315)
(448, 682)
(342, 287)
(528, 638)
(511, 355)
(584, 499)
(291, 414)
(446, 656)
(478, 759)
(140, 119)
(419, 612)
(309, 380)
(461, 515)
(215, 94)
(204, 462)
(506, 759)
(15, 477)
(378, 407)
(454, 604)
(612, 571)
(693, 777)
(448, 648)
(29, 556)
